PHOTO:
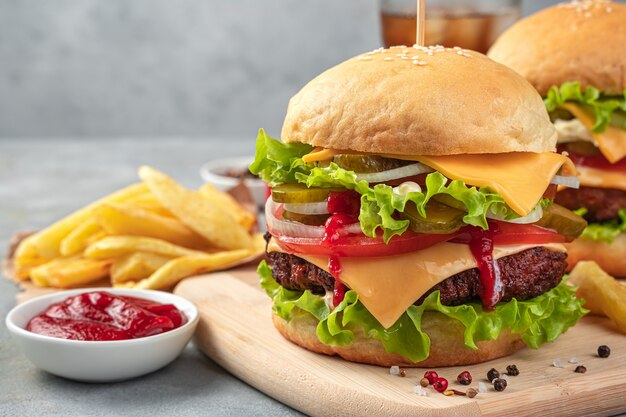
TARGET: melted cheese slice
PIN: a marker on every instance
(388, 285)
(593, 177)
(520, 178)
(612, 142)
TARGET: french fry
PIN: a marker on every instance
(148, 202)
(27, 260)
(207, 219)
(117, 246)
(46, 243)
(116, 219)
(602, 293)
(228, 204)
(78, 238)
(175, 270)
(136, 266)
(70, 272)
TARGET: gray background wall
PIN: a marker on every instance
(141, 68)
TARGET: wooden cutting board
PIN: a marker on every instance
(236, 331)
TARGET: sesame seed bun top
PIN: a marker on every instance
(579, 41)
(420, 101)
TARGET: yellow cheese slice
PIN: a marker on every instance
(388, 285)
(612, 142)
(520, 178)
(602, 178)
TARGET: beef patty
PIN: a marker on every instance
(602, 204)
(525, 275)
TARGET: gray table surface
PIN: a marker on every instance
(42, 180)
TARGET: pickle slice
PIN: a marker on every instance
(449, 201)
(299, 193)
(440, 218)
(562, 220)
(310, 219)
(364, 164)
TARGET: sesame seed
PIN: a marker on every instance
(609, 9)
(388, 59)
(365, 58)
(415, 61)
(457, 48)
(467, 55)
(421, 62)
(460, 53)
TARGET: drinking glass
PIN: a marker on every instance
(469, 24)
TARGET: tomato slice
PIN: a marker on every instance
(355, 246)
(597, 161)
(517, 234)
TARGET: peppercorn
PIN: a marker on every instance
(464, 378)
(441, 384)
(424, 382)
(604, 351)
(580, 369)
(512, 370)
(471, 393)
(431, 376)
(493, 374)
(499, 384)
(402, 372)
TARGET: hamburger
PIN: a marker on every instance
(574, 54)
(411, 219)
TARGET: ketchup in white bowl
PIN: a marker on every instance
(102, 316)
(102, 334)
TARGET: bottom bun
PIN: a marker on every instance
(446, 338)
(611, 257)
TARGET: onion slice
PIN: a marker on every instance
(532, 217)
(392, 174)
(307, 208)
(566, 181)
(282, 227)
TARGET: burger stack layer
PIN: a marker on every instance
(412, 218)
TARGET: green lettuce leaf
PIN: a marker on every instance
(539, 320)
(604, 232)
(604, 108)
(278, 163)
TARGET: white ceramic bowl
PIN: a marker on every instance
(213, 172)
(107, 361)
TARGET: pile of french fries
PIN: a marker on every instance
(603, 294)
(149, 235)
